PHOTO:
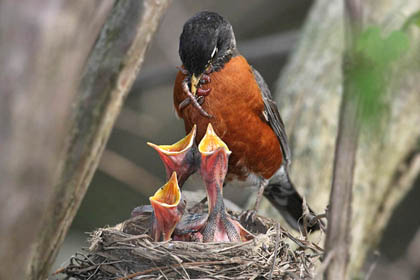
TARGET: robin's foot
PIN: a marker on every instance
(249, 216)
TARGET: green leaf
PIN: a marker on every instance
(369, 43)
(381, 50)
(371, 68)
(395, 45)
(413, 19)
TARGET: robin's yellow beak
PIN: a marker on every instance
(196, 79)
(194, 83)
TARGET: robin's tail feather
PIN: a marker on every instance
(282, 194)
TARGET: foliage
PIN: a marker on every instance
(412, 20)
(373, 70)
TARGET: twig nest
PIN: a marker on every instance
(127, 252)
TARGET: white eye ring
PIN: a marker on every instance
(214, 52)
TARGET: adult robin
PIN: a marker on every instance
(217, 85)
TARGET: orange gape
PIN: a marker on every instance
(236, 104)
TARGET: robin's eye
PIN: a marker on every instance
(214, 52)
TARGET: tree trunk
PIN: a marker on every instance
(338, 239)
(43, 48)
(108, 76)
(309, 94)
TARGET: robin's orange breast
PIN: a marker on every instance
(236, 104)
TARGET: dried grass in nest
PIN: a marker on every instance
(127, 252)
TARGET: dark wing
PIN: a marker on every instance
(272, 116)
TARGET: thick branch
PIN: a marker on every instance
(43, 48)
(339, 214)
(110, 72)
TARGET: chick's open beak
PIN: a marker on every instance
(214, 163)
(168, 209)
(211, 142)
(181, 157)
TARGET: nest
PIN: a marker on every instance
(127, 252)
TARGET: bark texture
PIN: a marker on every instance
(107, 78)
(43, 47)
(337, 242)
(309, 94)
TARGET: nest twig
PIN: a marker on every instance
(127, 252)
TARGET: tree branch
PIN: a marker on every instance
(339, 213)
(43, 48)
(110, 72)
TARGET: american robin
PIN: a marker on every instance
(217, 85)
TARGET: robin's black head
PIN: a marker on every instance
(207, 38)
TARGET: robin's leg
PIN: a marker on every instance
(249, 215)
